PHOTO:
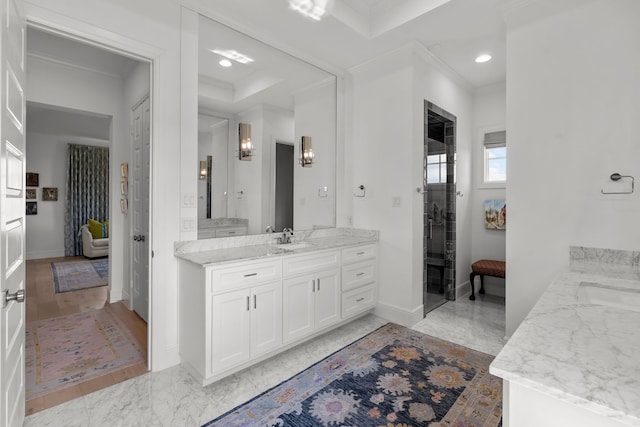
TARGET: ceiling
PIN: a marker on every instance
(272, 78)
(356, 31)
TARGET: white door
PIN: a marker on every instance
(230, 329)
(266, 318)
(139, 208)
(327, 298)
(297, 307)
(12, 211)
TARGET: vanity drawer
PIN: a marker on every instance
(358, 253)
(358, 300)
(309, 263)
(355, 275)
(248, 274)
(231, 231)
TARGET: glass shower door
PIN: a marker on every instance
(439, 208)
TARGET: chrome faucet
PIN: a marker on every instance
(287, 236)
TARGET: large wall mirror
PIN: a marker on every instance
(243, 81)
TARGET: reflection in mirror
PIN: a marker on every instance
(282, 98)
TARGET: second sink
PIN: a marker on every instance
(612, 296)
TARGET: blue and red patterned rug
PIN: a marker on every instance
(393, 377)
(80, 274)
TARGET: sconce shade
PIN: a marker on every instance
(245, 147)
(203, 170)
(306, 152)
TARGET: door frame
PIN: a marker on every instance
(54, 23)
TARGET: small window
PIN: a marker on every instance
(436, 168)
(495, 157)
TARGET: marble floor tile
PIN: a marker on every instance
(173, 398)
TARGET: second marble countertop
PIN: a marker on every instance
(585, 354)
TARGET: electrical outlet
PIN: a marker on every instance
(396, 201)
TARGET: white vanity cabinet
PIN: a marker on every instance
(235, 317)
(359, 278)
(245, 324)
(235, 314)
(311, 294)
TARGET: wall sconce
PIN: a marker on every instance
(245, 146)
(203, 170)
(306, 152)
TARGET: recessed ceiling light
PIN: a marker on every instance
(483, 58)
(233, 55)
(314, 9)
(225, 63)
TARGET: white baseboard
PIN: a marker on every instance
(399, 315)
(52, 253)
(463, 289)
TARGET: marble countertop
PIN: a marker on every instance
(585, 354)
(204, 256)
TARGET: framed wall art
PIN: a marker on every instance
(495, 215)
(33, 179)
(31, 193)
(50, 194)
(32, 208)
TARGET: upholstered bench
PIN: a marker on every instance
(485, 267)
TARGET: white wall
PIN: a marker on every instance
(152, 30)
(489, 115)
(314, 113)
(385, 156)
(573, 102)
(248, 174)
(47, 156)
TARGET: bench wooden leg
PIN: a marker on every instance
(481, 284)
(472, 276)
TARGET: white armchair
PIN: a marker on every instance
(93, 248)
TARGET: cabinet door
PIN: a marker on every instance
(298, 307)
(266, 318)
(327, 298)
(230, 329)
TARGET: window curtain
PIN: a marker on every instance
(87, 192)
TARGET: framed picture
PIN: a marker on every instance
(124, 186)
(124, 170)
(32, 208)
(32, 179)
(495, 214)
(31, 193)
(50, 194)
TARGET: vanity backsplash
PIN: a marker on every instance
(605, 262)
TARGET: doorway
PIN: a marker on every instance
(439, 228)
(284, 186)
(97, 81)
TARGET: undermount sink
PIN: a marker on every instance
(293, 246)
(611, 296)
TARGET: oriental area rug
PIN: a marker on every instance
(82, 274)
(393, 377)
(65, 351)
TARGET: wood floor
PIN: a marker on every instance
(43, 303)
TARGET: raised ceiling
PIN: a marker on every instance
(356, 31)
